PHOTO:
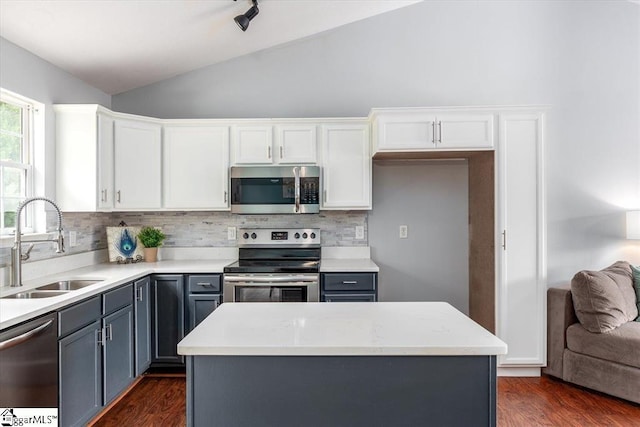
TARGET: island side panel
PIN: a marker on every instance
(341, 391)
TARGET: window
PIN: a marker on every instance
(16, 159)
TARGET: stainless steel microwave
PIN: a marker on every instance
(275, 189)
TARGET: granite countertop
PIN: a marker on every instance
(345, 329)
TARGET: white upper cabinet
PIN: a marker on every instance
(346, 166)
(256, 145)
(520, 241)
(84, 158)
(426, 130)
(296, 144)
(253, 144)
(137, 159)
(195, 167)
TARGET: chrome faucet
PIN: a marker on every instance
(16, 251)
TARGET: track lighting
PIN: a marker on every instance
(244, 19)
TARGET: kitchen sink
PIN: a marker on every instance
(68, 285)
(36, 294)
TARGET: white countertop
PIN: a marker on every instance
(352, 265)
(14, 311)
(339, 329)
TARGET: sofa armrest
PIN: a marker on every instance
(560, 315)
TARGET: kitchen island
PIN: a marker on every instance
(340, 364)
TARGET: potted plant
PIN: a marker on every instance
(151, 238)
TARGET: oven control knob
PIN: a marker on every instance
(313, 235)
(297, 235)
(253, 235)
(245, 236)
(304, 235)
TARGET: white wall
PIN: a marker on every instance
(580, 57)
(431, 198)
(31, 76)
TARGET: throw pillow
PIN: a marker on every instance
(636, 285)
(606, 299)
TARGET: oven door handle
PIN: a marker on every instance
(296, 174)
(274, 279)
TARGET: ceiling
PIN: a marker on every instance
(119, 45)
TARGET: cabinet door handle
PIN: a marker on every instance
(504, 240)
(100, 340)
(349, 282)
(118, 196)
(440, 132)
(139, 294)
(206, 284)
(433, 132)
(269, 152)
(226, 197)
(109, 332)
(281, 152)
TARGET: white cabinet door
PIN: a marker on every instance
(138, 178)
(406, 131)
(399, 130)
(106, 195)
(84, 158)
(195, 167)
(296, 144)
(346, 166)
(253, 144)
(465, 131)
(520, 244)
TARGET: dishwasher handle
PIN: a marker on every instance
(12, 342)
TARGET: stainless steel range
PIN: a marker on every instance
(274, 265)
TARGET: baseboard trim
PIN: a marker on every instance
(519, 372)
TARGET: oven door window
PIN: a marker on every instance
(270, 293)
(262, 191)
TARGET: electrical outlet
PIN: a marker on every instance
(231, 233)
(404, 231)
(73, 239)
(359, 232)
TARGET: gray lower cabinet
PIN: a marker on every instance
(203, 297)
(118, 352)
(142, 312)
(80, 364)
(349, 287)
(96, 354)
(167, 319)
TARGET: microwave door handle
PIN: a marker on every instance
(296, 173)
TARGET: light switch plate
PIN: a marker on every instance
(231, 233)
(404, 231)
(359, 232)
(73, 239)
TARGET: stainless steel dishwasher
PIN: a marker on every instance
(29, 364)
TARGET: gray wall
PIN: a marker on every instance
(28, 75)
(580, 57)
(431, 198)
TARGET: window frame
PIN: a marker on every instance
(29, 109)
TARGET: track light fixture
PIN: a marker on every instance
(244, 19)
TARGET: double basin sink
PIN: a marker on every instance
(54, 289)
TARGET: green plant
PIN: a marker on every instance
(151, 237)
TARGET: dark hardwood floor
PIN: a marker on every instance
(544, 401)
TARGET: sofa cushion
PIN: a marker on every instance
(636, 285)
(621, 345)
(604, 299)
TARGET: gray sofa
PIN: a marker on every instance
(607, 361)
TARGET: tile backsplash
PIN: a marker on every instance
(192, 229)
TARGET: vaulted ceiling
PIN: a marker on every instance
(118, 45)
